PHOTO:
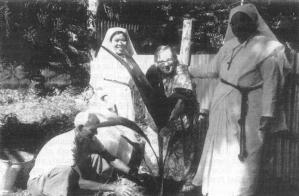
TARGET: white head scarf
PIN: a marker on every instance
(263, 29)
(104, 59)
(107, 40)
(84, 118)
(251, 11)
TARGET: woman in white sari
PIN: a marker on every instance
(252, 58)
(113, 86)
(109, 78)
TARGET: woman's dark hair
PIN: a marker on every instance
(118, 32)
(163, 48)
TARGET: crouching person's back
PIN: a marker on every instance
(76, 161)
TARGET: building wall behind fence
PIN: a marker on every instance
(283, 168)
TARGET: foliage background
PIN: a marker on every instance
(162, 20)
(46, 47)
(47, 41)
(47, 44)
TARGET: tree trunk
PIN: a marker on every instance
(92, 21)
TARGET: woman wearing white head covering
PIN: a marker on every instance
(113, 86)
(252, 58)
(109, 79)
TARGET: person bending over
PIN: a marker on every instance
(76, 161)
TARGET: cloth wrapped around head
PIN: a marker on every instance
(103, 59)
(86, 119)
(262, 29)
(251, 11)
(112, 32)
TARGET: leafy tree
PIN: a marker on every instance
(51, 39)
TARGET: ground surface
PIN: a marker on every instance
(195, 193)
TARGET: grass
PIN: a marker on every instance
(27, 121)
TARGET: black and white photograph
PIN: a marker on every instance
(149, 98)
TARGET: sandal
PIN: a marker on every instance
(188, 187)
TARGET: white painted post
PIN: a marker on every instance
(185, 50)
(92, 20)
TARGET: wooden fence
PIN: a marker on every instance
(103, 26)
(285, 164)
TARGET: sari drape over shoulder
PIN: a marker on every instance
(182, 140)
(108, 77)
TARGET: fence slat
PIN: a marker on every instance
(105, 25)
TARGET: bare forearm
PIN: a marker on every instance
(95, 186)
(118, 164)
(177, 110)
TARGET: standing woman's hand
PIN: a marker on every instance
(177, 110)
(203, 116)
(202, 119)
(265, 123)
(265, 126)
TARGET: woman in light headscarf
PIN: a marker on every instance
(109, 78)
(251, 58)
(113, 89)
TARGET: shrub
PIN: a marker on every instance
(28, 121)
